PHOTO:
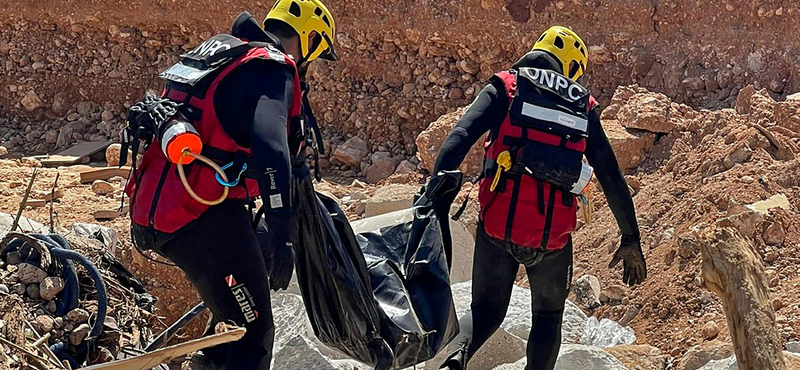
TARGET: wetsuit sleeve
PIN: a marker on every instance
(253, 104)
(487, 112)
(606, 168)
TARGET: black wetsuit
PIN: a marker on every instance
(495, 263)
(252, 104)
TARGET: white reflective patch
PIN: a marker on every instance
(554, 116)
(275, 201)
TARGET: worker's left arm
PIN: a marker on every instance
(601, 156)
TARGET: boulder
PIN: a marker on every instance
(113, 153)
(647, 111)
(299, 353)
(405, 167)
(383, 166)
(390, 198)
(31, 101)
(587, 291)
(629, 145)
(101, 187)
(639, 357)
(352, 151)
(44, 324)
(26, 224)
(606, 333)
(700, 355)
(431, 139)
(576, 357)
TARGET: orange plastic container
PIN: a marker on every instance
(177, 136)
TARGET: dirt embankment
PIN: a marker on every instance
(404, 63)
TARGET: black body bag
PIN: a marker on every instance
(381, 297)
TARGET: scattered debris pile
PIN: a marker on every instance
(67, 302)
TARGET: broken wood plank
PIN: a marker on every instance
(153, 359)
(110, 214)
(75, 154)
(49, 196)
(103, 173)
(733, 270)
(35, 203)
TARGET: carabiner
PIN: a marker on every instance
(234, 182)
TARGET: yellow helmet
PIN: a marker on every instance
(567, 47)
(308, 17)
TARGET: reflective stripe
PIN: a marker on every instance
(554, 116)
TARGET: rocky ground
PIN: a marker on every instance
(404, 63)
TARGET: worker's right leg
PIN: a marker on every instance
(493, 274)
(221, 257)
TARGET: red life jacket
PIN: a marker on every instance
(158, 198)
(544, 133)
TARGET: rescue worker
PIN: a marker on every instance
(541, 123)
(242, 93)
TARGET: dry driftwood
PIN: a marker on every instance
(104, 173)
(153, 359)
(734, 272)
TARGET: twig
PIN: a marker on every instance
(67, 365)
(45, 347)
(52, 200)
(23, 350)
(41, 340)
(24, 200)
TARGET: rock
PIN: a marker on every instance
(389, 198)
(59, 105)
(730, 363)
(84, 108)
(587, 291)
(50, 287)
(463, 251)
(13, 258)
(20, 288)
(290, 318)
(642, 357)
(78, 316)
(774, 234)
(52, 307)
(301, 354)
(710, 330)
(352, 151)
(383, 166)
(629, 145)
(405, 167)
(32, 290)
(30, 274)
(606, 333)
(31, 101)
(431, 139)
(112, 155)
(80, 333)
(106, 235)
(694, 83)
(59, 322)
(3, 151)
(613, 293)
(775, 201)
(644, 110)
(44, 324)
(101, 187)
(4, 289)
(582, 357)
(107, 115)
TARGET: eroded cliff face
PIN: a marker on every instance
(69, 68)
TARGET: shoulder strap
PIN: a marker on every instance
(508, 81)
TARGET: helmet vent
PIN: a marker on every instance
(276, 4)
(325, 19)
(582, 51)
(558, 42)
(543, 35)
(318, 12)
(294, 9)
